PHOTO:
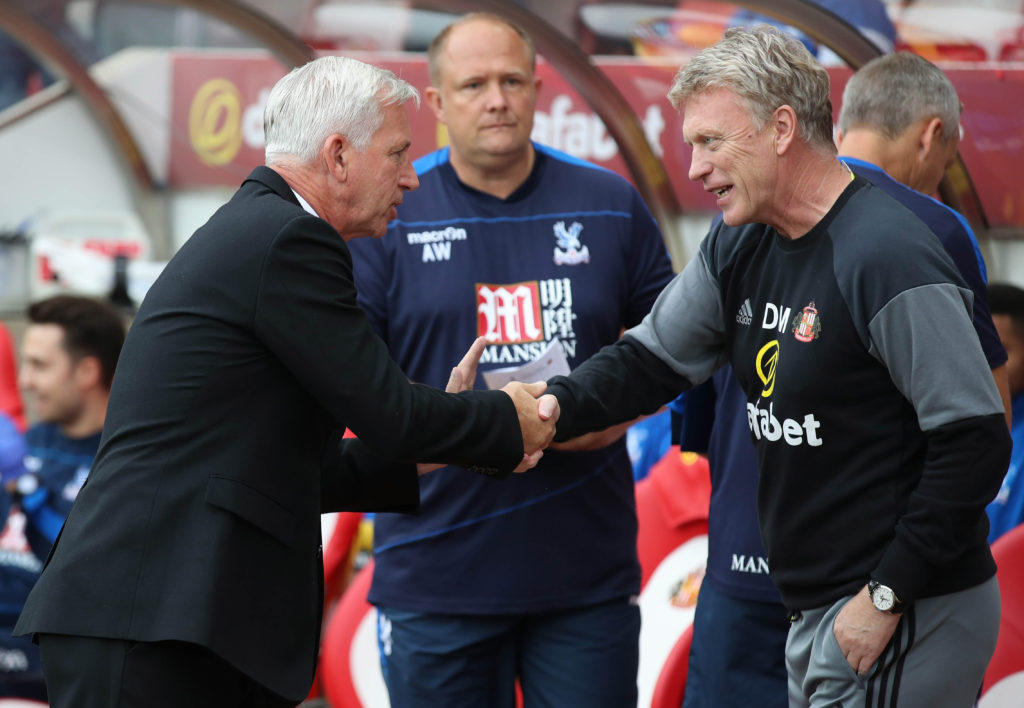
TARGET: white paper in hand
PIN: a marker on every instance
(551, 362)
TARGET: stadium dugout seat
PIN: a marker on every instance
(339, 552)
(1004, 679)
(672, 510)
(350, 674)
(10, 395)
(672, 507)
(670, 689)
(672, 516)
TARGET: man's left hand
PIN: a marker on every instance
(863, 631)
(462, 378)
(464, 373)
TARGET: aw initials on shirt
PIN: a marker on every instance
(437, 243)
(441, 251)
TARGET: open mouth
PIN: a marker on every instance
(721, 192)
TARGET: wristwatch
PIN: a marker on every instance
(884, 598)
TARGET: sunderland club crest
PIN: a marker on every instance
(807, 324)
(568, 250)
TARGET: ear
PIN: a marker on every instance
(334, 154)
(537, 83)
(432, 97)
(839, 138)
(88, 373)
(929, 139)
(784, 123)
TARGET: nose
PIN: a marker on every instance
(496, 98)
(699, 165)
(407, 178)
(24, 378)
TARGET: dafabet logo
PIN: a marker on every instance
(214, 122)
(763, 422)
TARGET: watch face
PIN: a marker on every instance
(884, 598)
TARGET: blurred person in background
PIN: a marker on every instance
(68, 355)
(1007, 304)
(904, 147)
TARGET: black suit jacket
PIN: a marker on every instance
(200, 520)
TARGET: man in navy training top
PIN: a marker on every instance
(536, 576)
(68, 355)
(904, 147)
(1006, 511)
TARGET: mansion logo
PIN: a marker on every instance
(519, 319)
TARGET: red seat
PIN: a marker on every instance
(339, 531)
(672, 509)
(671, 506)
(10, 396)
(338, 554)
(349, 670)
(670, 689)
(1004, 679)
(672, 515)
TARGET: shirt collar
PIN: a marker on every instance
(304, 204)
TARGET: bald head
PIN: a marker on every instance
(436, 51)
(484, 90)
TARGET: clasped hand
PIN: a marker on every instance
(537, 413)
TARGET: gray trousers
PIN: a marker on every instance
(937, 656)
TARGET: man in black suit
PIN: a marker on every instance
(189, 571)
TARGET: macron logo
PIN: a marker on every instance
(746, 313)
(437, 245)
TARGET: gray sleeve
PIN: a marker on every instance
(686, 326)
(925, 338)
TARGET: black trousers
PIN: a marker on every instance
(88, 672)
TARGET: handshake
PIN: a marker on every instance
(538, 413)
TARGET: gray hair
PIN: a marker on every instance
(767, 69)
(326, 96)
(438, 44)
(892, 92)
